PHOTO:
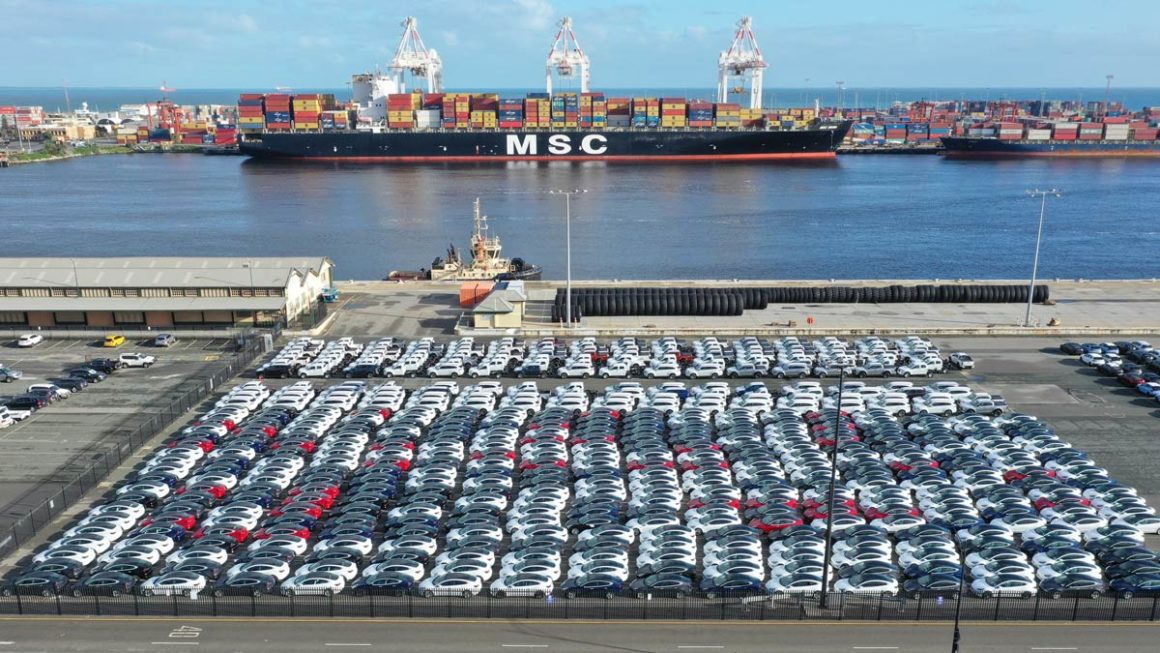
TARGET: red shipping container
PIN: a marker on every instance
(1116, 120)
(306, 116)
(243, 96)
(278, 97)
(1144, 134)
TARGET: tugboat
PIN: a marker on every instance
(486, 263)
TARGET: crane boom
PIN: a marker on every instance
(743, 59)
(413, 56)
(566, 58)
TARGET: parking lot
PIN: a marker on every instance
(48, 449)
(1027, 373)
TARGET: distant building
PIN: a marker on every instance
(162, 292)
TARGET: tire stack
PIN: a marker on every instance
(657, 301)
(897, 294)
(733, 301)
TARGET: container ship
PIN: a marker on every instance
(1112, 137)
(484, 127)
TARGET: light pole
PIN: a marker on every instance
(568, 243)
(833, 480)
(959, 602)
(1042, 195)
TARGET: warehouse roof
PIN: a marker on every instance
(162, 272)
(138, 304)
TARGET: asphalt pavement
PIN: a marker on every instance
(92, 634)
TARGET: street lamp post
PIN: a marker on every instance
(568, 244)
(1042, 195)
(959, 603)
(822, 603)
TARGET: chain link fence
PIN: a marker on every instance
(654, 607)
(123, 444)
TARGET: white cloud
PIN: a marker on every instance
(536, 14)
(307, 41)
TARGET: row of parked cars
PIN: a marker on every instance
(39, 395)
(716, 489)
(1135, 364)
(628, 357)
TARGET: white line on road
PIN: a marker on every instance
(346, 644)
(524, 645)
(175, 643)
(700, 646)
(875, 648)
(1054, 648)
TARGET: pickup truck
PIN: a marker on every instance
(576, 370)
(873, 369)
(8, 375)
(914, 368)
(492, 367)
(961, 361)
(703, 368)
(136, 360)
(617, 369)
(986, 404)
(745, 370)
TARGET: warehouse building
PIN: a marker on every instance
(166, 292)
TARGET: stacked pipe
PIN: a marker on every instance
(732, 301)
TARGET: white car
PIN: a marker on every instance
(794, 585)
(870, 585)
(136, 360)
(29, 340)
(522, 584)
(1002, 584)
(318, 583)
(179, 583)
(465, 585)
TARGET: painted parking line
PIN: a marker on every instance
(524, 645)
(347, 644)
(875, 648)
(700, 646)
(1054, 648)
(175, 643)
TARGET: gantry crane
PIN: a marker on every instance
(566, 57)
(742, 59)
(413, 56)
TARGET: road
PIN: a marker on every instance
(275, 636)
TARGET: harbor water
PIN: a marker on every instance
(858, 217)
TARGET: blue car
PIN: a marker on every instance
(733, 584)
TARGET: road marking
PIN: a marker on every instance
(176, 643)
(875, 648)
(1054, 648)
(700, 646)
(346, 644)
(692, 623)
(524, 645)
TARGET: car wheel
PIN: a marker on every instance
(1095, 594)
(347, 375)
(150, 593)
(905, 375)
(217, 593)
(996, 413)
(673, 375)
(733, 375)
(779, 375)
(466, 594)
(571, 594)
(710, 595)
(428, 594)
(609, 596)
(714, 375)
(257, 593)
(76, 593)
(431, 375)
(6, 592)
(585, 375)
(1126, 595)
(604, 375)
(499, 594)
(886, 375)
(987, 596)
(519, 375)
(861, 375)
(539, 594)
(45, 593)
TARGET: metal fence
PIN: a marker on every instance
(122, 444)
(841, 607)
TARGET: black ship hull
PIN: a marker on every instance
(629, 145)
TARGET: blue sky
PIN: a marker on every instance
(635, 44)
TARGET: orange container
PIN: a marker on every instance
(473, 292)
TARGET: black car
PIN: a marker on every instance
(386, 583)
(88, 373)
(26, 402)
(674, 585)
(279, 371)
(74, 384)
(105, 365)
(44, 583)
(1072, 348)
(105, 583)
(246, 583)
(362, 371)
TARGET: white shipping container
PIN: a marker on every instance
(1116, 129)
(1038, 134)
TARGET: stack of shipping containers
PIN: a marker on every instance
(593, 111)
(700, 114)
(456, 110)
(250, 113)
(511, 113)
(401, 110)
(483, 108)
(278, 115)
(307, 109)
(619, 116)
(538, 111)
(673, 112)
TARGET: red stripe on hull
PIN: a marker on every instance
(1142, 154)
(671, 158)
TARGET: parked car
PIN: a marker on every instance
(114, 340)
(137, 360)
(8, 375)
(164, 340)
(29, 340)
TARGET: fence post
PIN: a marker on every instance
(1115, 606)
(880, 599)
(136, 605)
(20, 604)
(1075, 609)
(1155, 599)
